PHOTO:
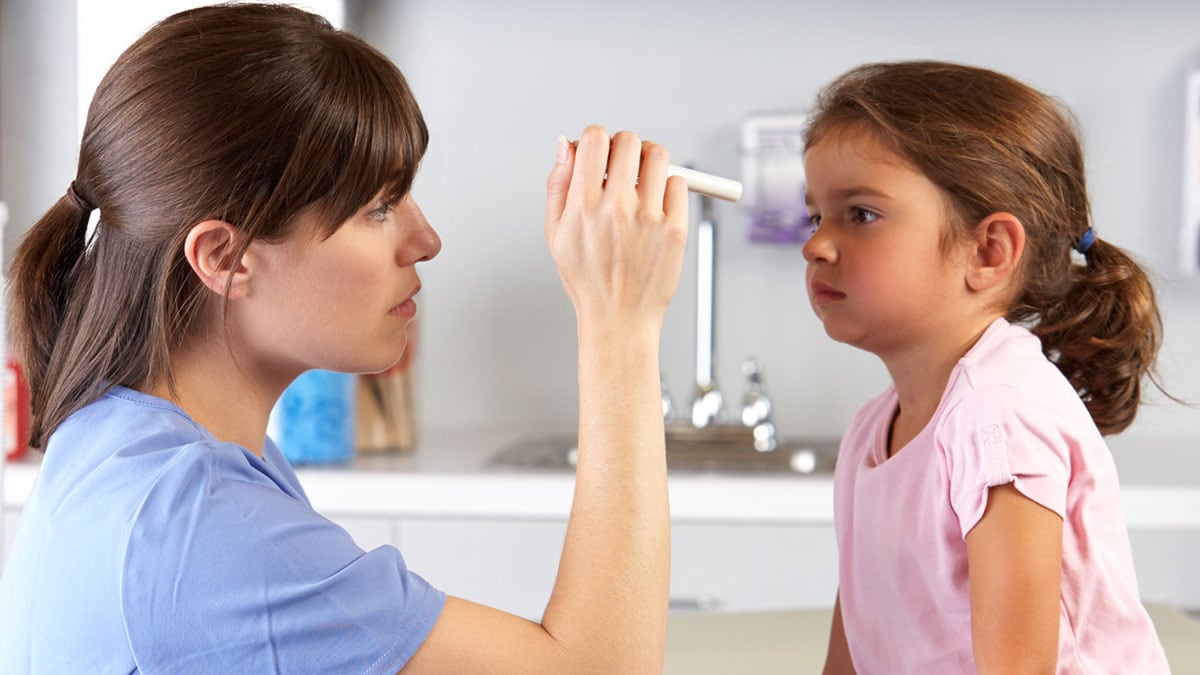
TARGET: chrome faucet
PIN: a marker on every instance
(707, 404)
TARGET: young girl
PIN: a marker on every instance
(251, 168)
(976, 505)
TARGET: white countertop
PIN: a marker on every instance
(448, 476)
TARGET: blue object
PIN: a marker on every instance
(1086, 240)
(313, 422)
(149, 546)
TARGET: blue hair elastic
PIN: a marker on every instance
(1086, 240)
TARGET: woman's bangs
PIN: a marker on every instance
(384, 143)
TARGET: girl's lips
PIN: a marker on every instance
(824, 294)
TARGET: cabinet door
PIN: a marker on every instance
(368, 532)
(1165, 561)
(8, 531)
(509, 565)
(740, 568)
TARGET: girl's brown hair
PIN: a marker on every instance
(242, 113)
(994, 144)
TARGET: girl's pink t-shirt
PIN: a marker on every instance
(1007, 416)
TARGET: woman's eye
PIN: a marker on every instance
(381, 213)
(862, 216)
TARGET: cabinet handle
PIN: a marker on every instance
(698, 603)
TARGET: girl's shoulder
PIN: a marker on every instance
(1006, 378)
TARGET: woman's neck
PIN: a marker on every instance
(219, 394)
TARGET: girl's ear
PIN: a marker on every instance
(998, 245)
(209, 248)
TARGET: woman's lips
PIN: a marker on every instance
(404, 310)
(408, 308)
(824, 294)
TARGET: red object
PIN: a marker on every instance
(17, 412)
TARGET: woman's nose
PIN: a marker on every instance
(424, 243)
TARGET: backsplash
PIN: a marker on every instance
(499, 81)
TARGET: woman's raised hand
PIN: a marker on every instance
(616, 226)
(617, 229)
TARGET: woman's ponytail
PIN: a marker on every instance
(112, 307)
(43, 281)
(1104, 334)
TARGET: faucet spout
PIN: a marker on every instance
(707, 406)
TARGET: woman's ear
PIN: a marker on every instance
(998, 244)
(210, 248)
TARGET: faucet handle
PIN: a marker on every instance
(708, 406)
(756, 405)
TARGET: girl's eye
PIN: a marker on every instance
(813, 220)
(862, 216)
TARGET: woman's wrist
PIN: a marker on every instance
(618, 332)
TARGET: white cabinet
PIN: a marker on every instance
(1165, 561)
(9, 532)
(512, 564)
(506, 564)
(735, 568)
(368, 532)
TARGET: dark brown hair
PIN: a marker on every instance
(994, 145)
(243, 113)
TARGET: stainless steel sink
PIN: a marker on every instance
(713, 449)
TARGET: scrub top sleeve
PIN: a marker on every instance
(994, 437)
(224, 572)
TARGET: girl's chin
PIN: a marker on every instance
(844, 334)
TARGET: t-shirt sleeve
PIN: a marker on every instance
(224, 572)
(995, 437)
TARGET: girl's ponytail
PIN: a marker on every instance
(1104, 334)
(44, 277)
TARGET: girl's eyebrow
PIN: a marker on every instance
(851, 193)
(846, 194)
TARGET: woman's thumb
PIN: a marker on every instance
(557, 184)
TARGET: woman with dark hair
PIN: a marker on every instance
(251, 167)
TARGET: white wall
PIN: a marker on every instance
(38, 146)
(499, 81)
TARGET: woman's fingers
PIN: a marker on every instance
(624, 161)
(591, 164)
(653, 179)
(557, 184)
(617, 227)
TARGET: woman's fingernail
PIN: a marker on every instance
(561, 157)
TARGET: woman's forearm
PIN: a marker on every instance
(611, 591)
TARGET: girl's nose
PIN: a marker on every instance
(819, 248)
